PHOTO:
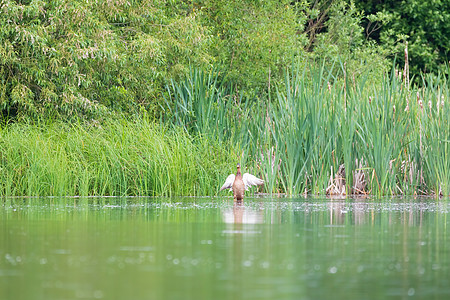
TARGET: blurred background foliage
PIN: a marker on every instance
(93, 59)
(420, 23)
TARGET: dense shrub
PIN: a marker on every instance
(82, 58)
(87, 59)
(423, 24)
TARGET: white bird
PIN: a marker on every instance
(239, 184)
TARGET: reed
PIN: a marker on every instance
(322, 118)
(431, 116)
(392, 135)
(200, 104)
(116, 158)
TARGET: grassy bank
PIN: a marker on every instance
(116, 158)
(321, 132)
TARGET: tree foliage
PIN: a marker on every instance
(336, 34)
(82, 58)
(254, 40)
(423, 24)
(91, 59)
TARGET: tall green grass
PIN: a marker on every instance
(432, 144)
(116, 158)
(321, 118)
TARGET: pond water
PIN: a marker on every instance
(212, 248)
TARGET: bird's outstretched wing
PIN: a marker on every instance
(228, 182)
(250, 180)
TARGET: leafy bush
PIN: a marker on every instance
(423, 24)
(254, 40)
(92, 59)
(78, 58)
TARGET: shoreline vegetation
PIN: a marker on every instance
(164, 98)
(320, 134)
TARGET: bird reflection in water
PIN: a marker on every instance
(242, 230)
(242, 214)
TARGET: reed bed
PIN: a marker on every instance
(116, 158)
(323, 132)
(324, 125)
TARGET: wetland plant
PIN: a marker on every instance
(383, 138)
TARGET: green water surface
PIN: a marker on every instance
(212, 248)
